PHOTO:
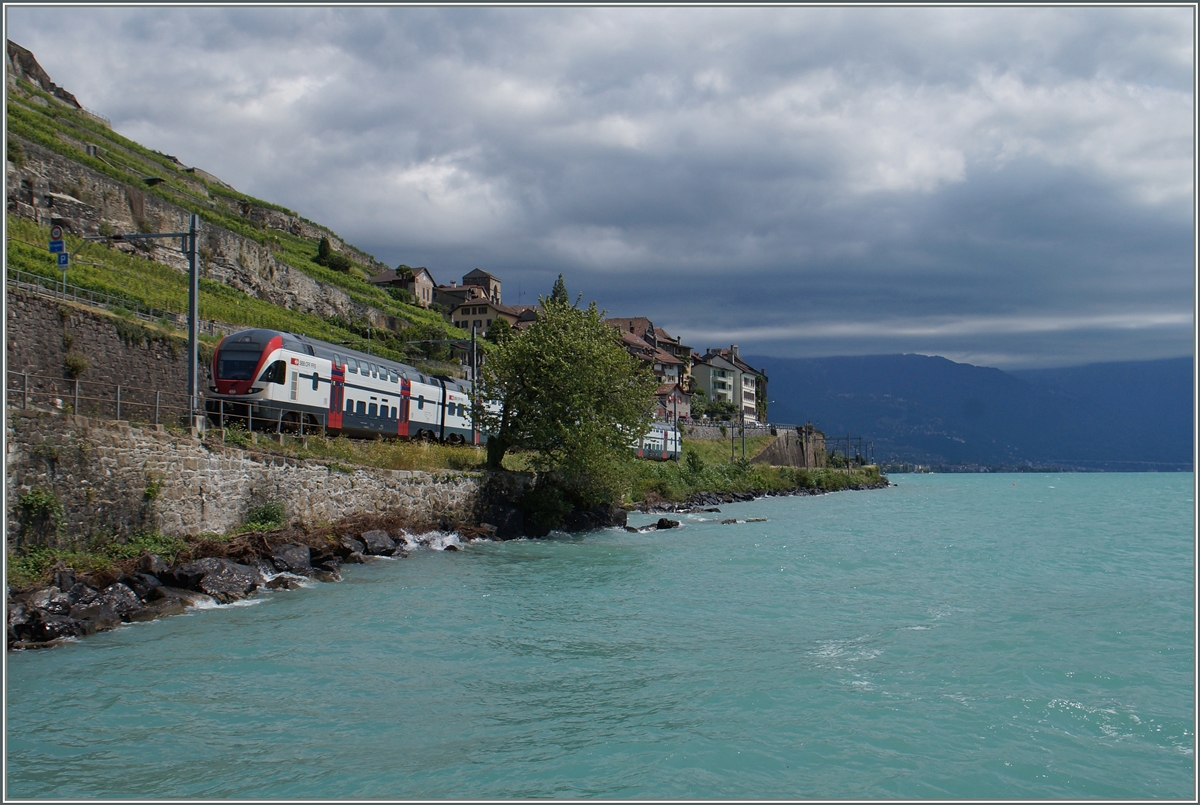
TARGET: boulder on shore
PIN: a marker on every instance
(378, 543)
(121, 598)
(222, 579)
(152, 564)
(292, 559)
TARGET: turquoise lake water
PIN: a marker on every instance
(955, 636)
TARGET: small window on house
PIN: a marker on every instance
(362, 408)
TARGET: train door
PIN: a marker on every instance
(442, 410)
(337, 396)
(405, 397)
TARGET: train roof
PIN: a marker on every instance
(325, 349)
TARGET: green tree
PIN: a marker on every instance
(327, 257)
(559, 292)
(699, 403)
(566, 391)
(401, 295)
(499, 331)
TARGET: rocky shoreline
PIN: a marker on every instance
(704, 501)
(212, 572)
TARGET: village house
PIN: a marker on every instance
(417, 281)
(666, 357)
(673, 403)
(723, 375)
(478, 314)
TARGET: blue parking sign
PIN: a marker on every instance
(64, 260)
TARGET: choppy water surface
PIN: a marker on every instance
(983, 636)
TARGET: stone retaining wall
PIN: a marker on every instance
(42, 332)
(713, 431)
(109, 477)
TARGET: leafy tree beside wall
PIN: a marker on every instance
(565, 391)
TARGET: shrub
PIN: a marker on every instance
(74, 365)
(236, 435)
(40, 513)
(267, 516)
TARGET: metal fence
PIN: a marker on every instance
(96, 399)
(28, 391)
(54, 289)
(263, 417)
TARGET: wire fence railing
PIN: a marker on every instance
(97, 399)
(103, 400)
(258, 417)
(53, 288)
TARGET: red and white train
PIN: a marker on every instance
(268, 378)
(265, 377)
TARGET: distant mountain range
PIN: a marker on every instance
(1135, 415)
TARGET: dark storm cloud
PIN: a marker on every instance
(1008, 186)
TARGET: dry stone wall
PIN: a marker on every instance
(111, 478)
(42, 333)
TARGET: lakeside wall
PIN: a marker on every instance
(111, 478)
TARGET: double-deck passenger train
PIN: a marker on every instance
(265, 377)
(277, 380)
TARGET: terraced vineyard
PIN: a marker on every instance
(79, 162)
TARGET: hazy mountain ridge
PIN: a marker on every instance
(1115, 416)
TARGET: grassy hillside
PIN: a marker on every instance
(34, 117)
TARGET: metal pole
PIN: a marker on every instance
(118, 402)
(193, 320)
(474, 387)
(24, 390)
(157, 401)
(77, 396)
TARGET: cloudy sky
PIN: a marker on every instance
(1004, 187)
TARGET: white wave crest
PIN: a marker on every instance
(433, 540)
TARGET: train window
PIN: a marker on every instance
(373, 410)
(337, 361)
(316, 380)
(394, 412)
(462, 410)
(349, 406)
(352, 365)
(275, 373)
(395, 376)
(421, 403)
(362, 408)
